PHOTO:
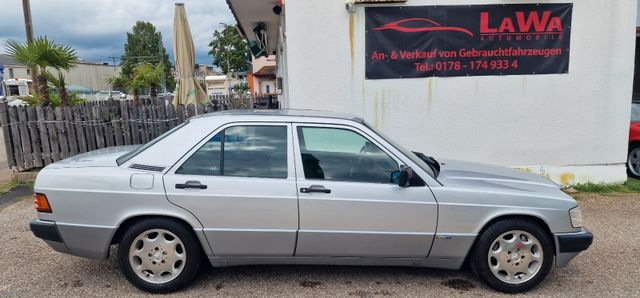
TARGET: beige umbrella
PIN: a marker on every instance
(188, 90)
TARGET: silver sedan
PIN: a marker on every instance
(301, 187)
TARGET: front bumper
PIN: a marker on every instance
(575, 242)
(569, 245)
(48, 232)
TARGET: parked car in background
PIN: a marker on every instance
(115, 95)
(633, 158)
(301, 187)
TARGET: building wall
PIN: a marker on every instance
(92, 75)
(572, 127)
(261, 84)
(87, 75)
(13, 71)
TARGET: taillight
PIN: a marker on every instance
(42, 204)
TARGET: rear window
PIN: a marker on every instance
(127, 156)
(635, 112)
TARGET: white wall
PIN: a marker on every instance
(93, 76)
(571, 127)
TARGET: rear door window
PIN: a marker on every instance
(242, 151)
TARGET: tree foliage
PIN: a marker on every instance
(229, 50)
(43, 54)
(143, 46)
(143, 76)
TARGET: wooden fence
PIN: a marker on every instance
(37, 136)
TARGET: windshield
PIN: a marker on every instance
(421, 163)
(129, 155)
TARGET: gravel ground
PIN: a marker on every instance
(609, 268)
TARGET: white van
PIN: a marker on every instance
(12, 89)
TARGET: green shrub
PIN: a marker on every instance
(629, 186)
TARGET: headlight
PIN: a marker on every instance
(576, 217)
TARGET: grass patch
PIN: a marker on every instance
(5, 188)
(629, 186)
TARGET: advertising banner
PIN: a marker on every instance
(467, 40)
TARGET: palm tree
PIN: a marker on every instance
(148, 76)
(60, 84)
(144, 76)
(41, 54)
(127, 84)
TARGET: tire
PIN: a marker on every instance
(634, 150)
(165, 253)
(526, 262)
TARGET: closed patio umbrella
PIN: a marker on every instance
(188, 90)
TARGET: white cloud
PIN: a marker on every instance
(97, 29)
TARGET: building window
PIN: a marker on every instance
(28, 72)
(268, 89)
(11, 73)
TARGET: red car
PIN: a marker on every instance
(633, 159)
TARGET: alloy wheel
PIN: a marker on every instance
(633, 162)
(515, 257)
(157, 256)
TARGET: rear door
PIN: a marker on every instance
(349, 205)
(240, 183)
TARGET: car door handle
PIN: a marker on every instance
(191, 184)
(315, 188)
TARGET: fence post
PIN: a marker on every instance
(4, 121)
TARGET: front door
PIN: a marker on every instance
(240, 183)
(349, 206)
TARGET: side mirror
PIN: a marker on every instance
(406, 173)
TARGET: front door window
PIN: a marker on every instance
(336, 154)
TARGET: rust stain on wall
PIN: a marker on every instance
(526, 170)
(375, 110)
(383, 108)
(429, 92)
(567, 178)
(351, 46)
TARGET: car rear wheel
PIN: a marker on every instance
(159, 255)
(633, 161)
(512, 255)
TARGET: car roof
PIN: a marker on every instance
(284, 113)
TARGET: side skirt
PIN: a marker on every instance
(346, 261)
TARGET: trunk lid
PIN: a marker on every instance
(105, 157)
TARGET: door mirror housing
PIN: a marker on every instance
(402, 177)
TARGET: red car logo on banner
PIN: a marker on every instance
(429, 25)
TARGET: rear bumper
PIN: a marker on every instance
(569, 245)
(48, 232)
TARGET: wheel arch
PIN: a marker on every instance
(530, 217)
(633, 143)
(126, 223)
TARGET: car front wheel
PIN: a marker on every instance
(159, 255)
(512, 255)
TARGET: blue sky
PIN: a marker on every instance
(97, 29)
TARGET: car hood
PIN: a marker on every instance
(465, 174)
(105, 157)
